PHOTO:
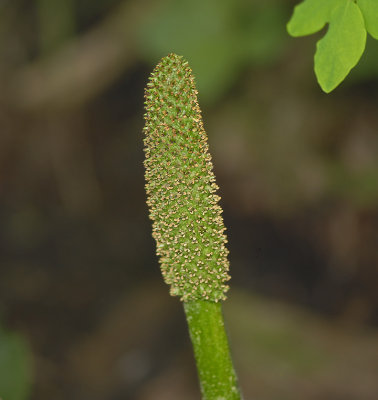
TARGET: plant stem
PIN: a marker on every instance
(216, 373)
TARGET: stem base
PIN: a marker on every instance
(216, 373)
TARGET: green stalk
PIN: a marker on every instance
(216, 372)
(187, 223)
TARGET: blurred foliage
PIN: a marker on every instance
(298, 172)
(219, 38)
(56, 22)
(15, 366)
(280, 348)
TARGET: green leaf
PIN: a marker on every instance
(310, 16)
(15, 367)
(342, 46)
(369, 10)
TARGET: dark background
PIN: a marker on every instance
(298, 171)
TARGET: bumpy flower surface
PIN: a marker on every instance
(187, 222)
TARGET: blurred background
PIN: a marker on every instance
(84, 312)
